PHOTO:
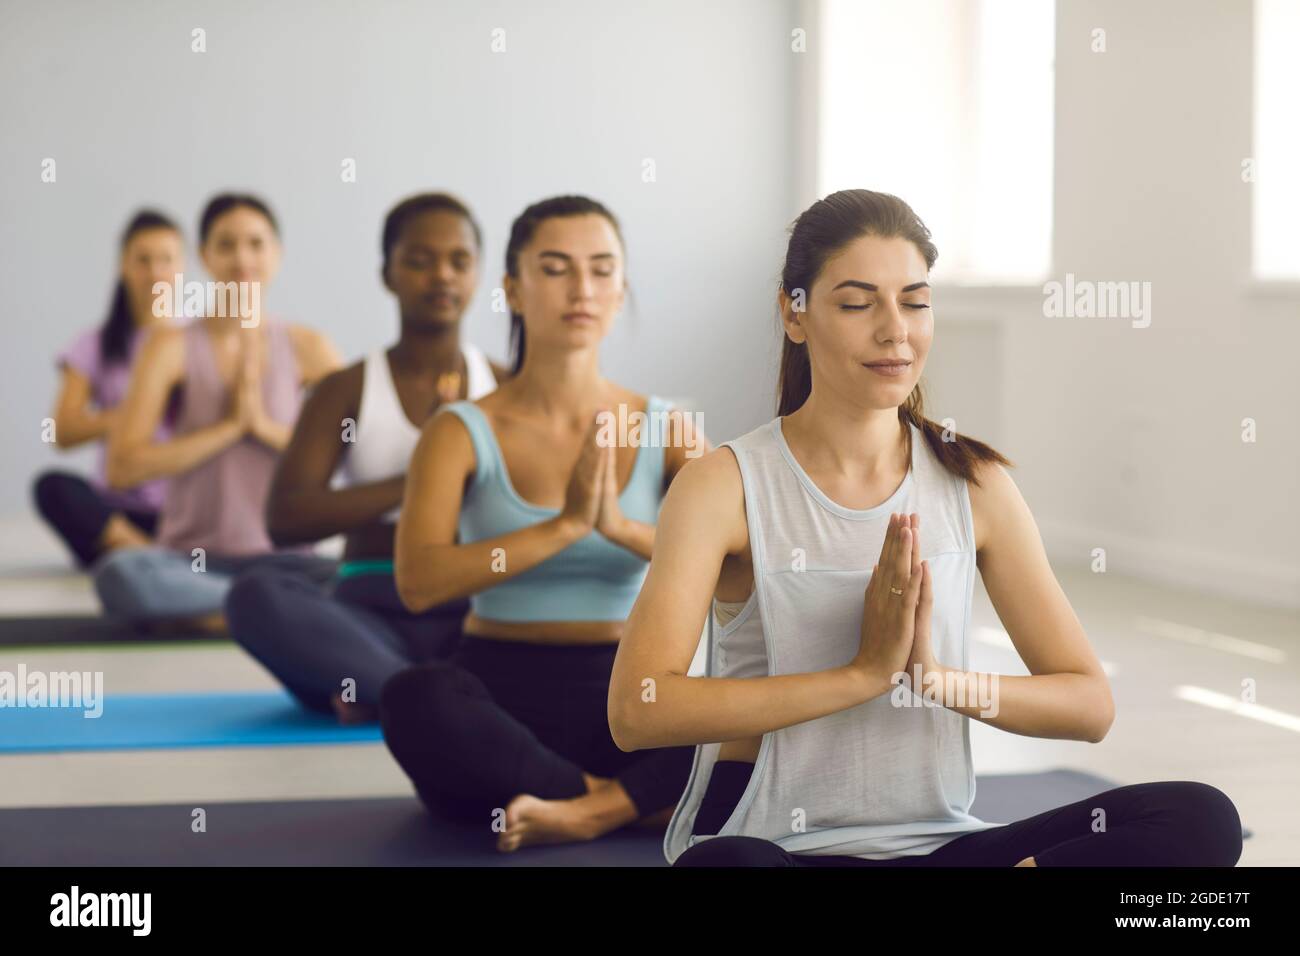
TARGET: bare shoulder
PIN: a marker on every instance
(994, 500)
(684, 441)
(708, 492)
(305, 338)
(445, 437)
(315, 352)
(635, 401)
(163, 351)
(341, 387)
(716, 470)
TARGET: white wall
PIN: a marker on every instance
(1129, 439)
(1132, 437)
(585, 91)
(1126, 439)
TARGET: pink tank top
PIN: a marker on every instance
(219, 505)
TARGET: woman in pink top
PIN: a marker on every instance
(240, 380)
(89, 516)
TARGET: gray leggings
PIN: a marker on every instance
(156, 584)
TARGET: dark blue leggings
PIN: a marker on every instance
(1167, 823)
(312, 637)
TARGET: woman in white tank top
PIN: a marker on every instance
(838, 544)
(344, 473)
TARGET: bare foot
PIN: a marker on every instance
(1027, 861)
(186, 626)
(208, 624)
(119, 533)
(350, 713)
(533, 821)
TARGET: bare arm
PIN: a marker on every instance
(1067, 695)
(76, 419)
(636, 536)
(133, 455)
(430, 567)
(702, 521)
(274, 435)
(302, 507)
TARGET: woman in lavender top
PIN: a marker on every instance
(240, 380)
(87, 514)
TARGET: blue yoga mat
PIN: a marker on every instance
(147, 721)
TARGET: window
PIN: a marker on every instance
(1276, 213)
(949, 105)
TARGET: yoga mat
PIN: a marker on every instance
(149, 721)
(1006, 798)
(88, 631)
(389, 831)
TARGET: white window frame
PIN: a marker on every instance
(965, 224)
(1275, 185)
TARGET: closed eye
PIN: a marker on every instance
(863, 308)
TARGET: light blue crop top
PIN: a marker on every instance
(593, 579)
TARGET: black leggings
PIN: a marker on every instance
(503, 718)
(1168, 823)
(78, 513)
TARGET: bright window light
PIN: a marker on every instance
(949, 105)
(1275, 244)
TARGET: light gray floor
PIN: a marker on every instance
(1177, 662)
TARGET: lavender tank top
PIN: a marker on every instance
(219, 505)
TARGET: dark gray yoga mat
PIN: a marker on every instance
(390, 831)
(394, 831)
(86, 630)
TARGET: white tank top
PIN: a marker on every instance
(385, 438)
(738, 644)
(875, 781)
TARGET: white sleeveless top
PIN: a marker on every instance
(875, 781)
(385, 439)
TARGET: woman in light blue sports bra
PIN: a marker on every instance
(539, 503)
